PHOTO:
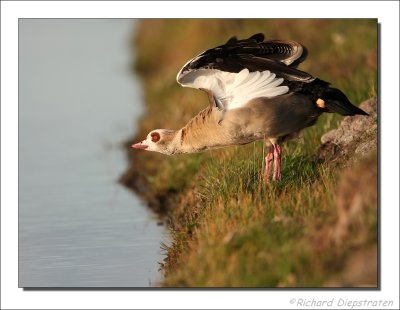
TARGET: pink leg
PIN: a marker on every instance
(268, 163)
(277, 161)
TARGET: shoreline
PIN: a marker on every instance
(227, 228)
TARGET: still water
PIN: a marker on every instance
(78, 102)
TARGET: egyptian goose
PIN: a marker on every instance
(255, 92)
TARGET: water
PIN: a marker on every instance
(78, 102)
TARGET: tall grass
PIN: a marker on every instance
(228, 227)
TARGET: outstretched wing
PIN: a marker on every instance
(255, 54)
(259, 67)
(233, 90)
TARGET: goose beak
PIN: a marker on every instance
(139, 145)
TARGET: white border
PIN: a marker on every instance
(14, 298)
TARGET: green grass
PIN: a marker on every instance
(228, 228)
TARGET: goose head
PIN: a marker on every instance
(158, 140)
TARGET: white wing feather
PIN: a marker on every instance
(234, 90)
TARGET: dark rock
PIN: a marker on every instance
(355, 136)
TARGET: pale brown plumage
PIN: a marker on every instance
(259, 118)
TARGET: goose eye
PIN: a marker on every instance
(155, 136)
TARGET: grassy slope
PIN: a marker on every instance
(227, 227)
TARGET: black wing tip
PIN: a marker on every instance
(338, 102)
(360, 112)
(352, 111)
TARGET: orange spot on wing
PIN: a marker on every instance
(320, 103)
